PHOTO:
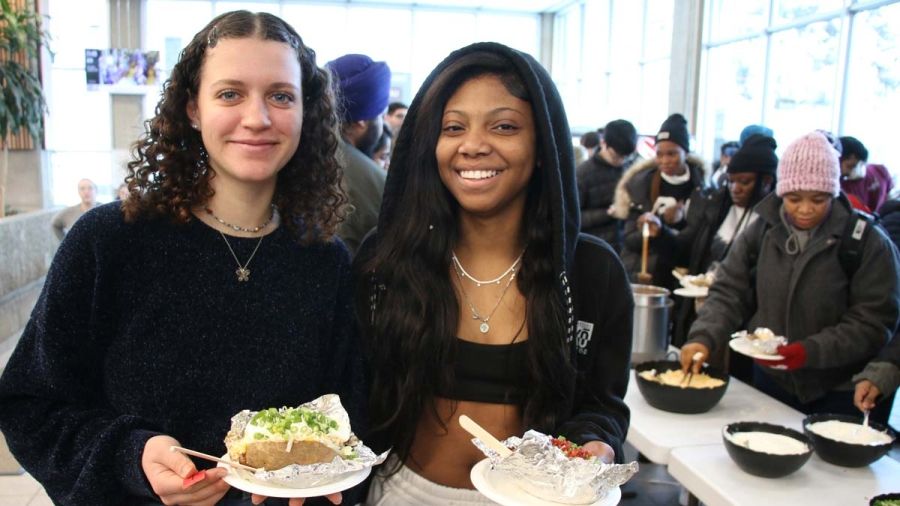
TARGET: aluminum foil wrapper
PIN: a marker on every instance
(765, 346)
(312, 475)
(544, 471)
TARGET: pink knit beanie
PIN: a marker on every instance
(809, 163)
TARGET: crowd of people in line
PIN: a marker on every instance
(479, 270)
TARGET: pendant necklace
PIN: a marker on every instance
(242, 272)
(460, 272)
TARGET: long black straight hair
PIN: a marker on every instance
(405, 296)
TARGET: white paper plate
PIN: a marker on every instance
(743, 346)
(503, 491)
(692, 292)
(344, 482)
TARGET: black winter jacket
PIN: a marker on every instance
(591, 282)
(596, 186)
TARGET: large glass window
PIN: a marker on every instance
(733, 90)
(829, 64)
(787, 11)
(611, 60)
(873, 84)
(803, 78)
(736, 18)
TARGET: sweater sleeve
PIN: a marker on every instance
(872, 312)
(52, 408)
(599, 411)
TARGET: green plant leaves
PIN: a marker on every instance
(22, 102)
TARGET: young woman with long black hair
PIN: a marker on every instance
(478, 293)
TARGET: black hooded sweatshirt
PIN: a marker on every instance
(593, 285)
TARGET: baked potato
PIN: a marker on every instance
(276, 438)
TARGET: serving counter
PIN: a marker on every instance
(711, 476)
(655, 433)
(692, 448)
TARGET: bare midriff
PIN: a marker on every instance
(444, 453)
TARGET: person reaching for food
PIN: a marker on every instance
(791, 271)
(877, 384)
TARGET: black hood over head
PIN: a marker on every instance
(554, 150)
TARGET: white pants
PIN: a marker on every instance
(406, 488)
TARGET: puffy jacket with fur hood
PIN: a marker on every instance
(632, 199)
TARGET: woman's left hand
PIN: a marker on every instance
(602, 450)
(334, 498)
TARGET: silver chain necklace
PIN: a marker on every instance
(484, 327)
(478, 282)
(242, 272)
(238, 228)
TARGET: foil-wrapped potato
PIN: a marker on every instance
(276, 438)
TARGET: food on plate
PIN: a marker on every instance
(761, 334)
(570, 449)
(276, 438)
(556, 469)
(699, 280)
(767, 442)
(852, 433)
(761, 340)
(675, 378)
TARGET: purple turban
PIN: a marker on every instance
(364, 86)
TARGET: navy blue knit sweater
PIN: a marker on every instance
(143, 329)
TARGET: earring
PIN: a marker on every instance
(195, 126)
(430, 227)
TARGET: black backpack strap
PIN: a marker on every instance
(850, 251)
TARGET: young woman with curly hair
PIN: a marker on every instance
(216, 286)
(478, 293)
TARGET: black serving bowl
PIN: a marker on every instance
(767, 465)
(677, 399)
(884, 497)
(847, 454)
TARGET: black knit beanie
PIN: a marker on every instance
(620, 135)
(674, 129)
(757, 154)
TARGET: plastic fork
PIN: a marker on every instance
(686, 381)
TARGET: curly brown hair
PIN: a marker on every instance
(168, 174)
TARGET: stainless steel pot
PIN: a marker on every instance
(650, 334)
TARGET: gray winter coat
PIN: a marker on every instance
(843, 323)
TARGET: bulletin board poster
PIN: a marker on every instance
(122, 70)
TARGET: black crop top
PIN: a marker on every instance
(495, 374)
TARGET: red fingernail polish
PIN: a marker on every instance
(194, 478)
